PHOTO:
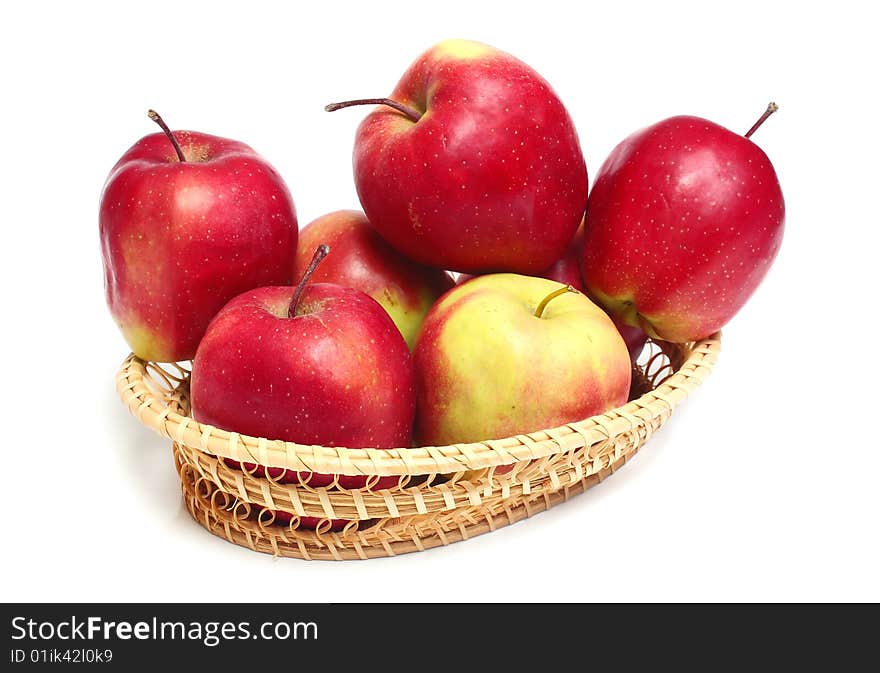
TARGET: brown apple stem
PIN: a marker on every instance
(773, 107)
(152, 114)
(320, 254)
(413, 114)
(539, 312)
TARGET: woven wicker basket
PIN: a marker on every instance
(445, 493)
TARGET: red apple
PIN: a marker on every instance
(567, 270)
(473, 164)
(505, 354)
(319, 364)
(683, 222)
(188, 221)
(363, 260)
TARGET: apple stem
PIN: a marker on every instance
(320, 254)
(413, 114)
(152, 114)
(539, 312)
(771, 108)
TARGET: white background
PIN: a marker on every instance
(762, 487)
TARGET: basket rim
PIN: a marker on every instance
(159, 415)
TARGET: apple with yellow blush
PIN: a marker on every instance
(505, 354)
(188, 221)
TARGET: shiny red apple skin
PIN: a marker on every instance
(567, 270)
(491, 178)
(683, 222)
(180, 239)
(362, 259)
(337, 374)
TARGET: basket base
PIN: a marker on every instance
(215, 510)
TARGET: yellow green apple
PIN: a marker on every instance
(504, 354)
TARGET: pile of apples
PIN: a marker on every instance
(352, 332)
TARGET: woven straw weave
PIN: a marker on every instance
(444, 494)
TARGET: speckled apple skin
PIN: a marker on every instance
(360, 258)
(683, 223)
(567, 270)
(487, 367)
(491, 178)
(179, 240)
(337, 374)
